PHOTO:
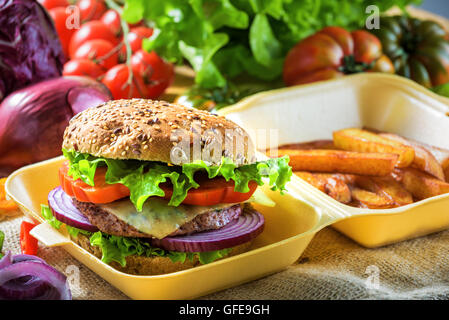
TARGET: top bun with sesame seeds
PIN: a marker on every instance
(151, 130)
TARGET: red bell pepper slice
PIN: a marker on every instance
(28, 243)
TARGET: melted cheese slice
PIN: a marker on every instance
(157, 217)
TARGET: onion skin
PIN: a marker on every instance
(33, 119)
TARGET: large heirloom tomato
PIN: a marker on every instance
(333, 52)
(418, 48)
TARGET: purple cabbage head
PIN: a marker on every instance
(30, 50)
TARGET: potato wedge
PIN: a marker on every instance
(317, 144)
(335, 187)
(310, 178)
(371, 200)
(337, 161)
(386, 186)
(346, 178)
(420, 184)
(354, 139)
(424, 160)
(442, 156)
(331, 184)
(446, 174)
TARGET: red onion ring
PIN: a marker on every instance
(25, 277)
(243, 229)
(63, 209)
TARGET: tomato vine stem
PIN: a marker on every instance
(125, 29)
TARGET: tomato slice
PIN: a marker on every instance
(102, 192)
(28, 243)
(211, 191)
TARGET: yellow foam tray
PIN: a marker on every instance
(289, 227)
(380, 101)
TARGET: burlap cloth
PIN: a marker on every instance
(332, 267)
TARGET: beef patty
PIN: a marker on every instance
(110, 224)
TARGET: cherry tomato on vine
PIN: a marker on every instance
(82, 67)
(111, 19)
(135, 37)
(90, 31)
(91, 9)
(50, 4)
(157, 74)
(100, 51)
(116, 80)
(59, 16)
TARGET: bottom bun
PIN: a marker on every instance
(141, 265)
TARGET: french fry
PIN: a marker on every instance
(420, 184)
(424, 160)
(387, 187)
(346, 178)
(337, 161)
(442, 156)
(310, 178)
(364, 141)
(330, 184)
(317, 144)
(446, 173)
(371, 200)
(335, 187)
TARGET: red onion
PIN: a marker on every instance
(25, 277)
(248, 226)
(33, 119)
(63, 209)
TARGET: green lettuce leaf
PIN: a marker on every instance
(115, 248)
(49, 217)
(223, 39)
(144, 177)
(2, 238)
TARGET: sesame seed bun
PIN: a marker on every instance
(152, 130)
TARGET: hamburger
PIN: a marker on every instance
(152, 187)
